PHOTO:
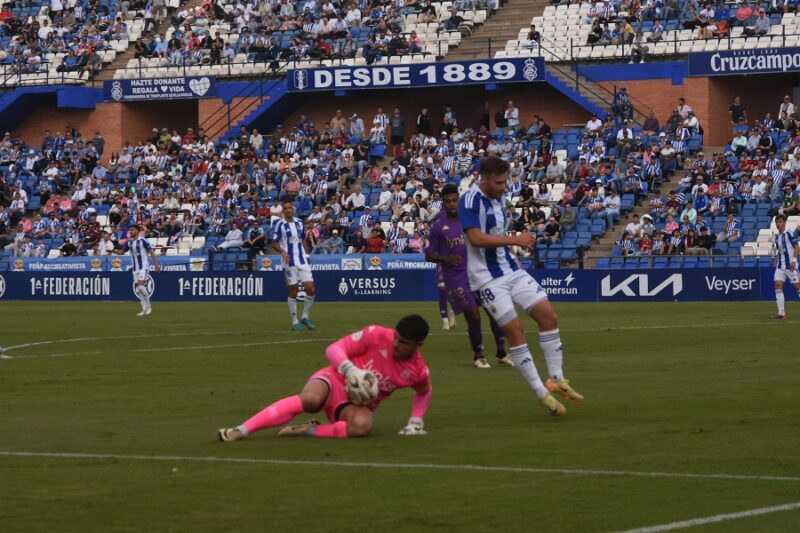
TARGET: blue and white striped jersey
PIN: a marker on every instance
(785, 244)
(289, 236)
(140, 250)
(476, 210)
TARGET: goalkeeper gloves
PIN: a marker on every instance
(414, 427)
(361, 385)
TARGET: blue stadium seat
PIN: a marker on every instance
(631, 262)
(603, 262)
(676, 262)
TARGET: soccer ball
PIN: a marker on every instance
(362, 389)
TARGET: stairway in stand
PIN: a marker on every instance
(498, 29)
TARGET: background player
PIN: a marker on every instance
(448, 317)
(140, 251)
(391, 355)
(446, 247)
(288, 242)
(499, 282)
(786, 265)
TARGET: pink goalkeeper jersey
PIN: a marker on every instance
(371, 349)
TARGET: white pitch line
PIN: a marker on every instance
(64, 354)
(242, 345)
(84, 339)
(716, 518)
(296, 341)
(399, 466)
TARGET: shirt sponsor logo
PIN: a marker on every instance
(384, 383)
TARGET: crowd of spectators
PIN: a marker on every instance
(352, 199)
(300, 29)
(183, 184)
(760, 166)
(76, 31)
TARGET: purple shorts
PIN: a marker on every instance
(460, 296)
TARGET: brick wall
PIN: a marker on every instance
(711, 98)
(116, 121)
(473, 105)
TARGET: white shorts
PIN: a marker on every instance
(784, 274)
(295, 274)
(140, 275)
(499, 295)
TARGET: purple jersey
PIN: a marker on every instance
(446, 238)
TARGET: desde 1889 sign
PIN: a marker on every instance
(511, 70)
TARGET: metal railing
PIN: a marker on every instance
(224, 118)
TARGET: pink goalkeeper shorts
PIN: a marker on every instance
(337, 394)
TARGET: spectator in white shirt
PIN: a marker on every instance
(232, 239)
(105, 245)
(512, 115)
(594, 125)
(356, 200)
(759, 191)
(385, 198)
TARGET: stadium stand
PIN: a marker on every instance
(607, 31)
(42, 43)
(259, 39)
(196, 197)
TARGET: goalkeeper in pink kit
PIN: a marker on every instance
(345, 390)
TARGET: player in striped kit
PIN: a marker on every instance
(786, 263)
(448, 250)
(288, 241)
(141, 252)
(499, 282)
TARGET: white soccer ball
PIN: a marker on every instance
(362, 391)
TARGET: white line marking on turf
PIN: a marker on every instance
(716, 518)
(83, 339)
(399, 466)
(211, 346)
(64, 354)
(4, 355)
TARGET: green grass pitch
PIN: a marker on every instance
(671, 389)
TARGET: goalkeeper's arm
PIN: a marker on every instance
(419, 406)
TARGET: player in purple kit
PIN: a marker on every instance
(446, 247)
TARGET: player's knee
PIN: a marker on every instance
(549, 321)
(359, 426)
(310, 290)
(515, 335)
(312, 402)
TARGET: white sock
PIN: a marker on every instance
(292, 309)
(243, 430)
(521, 356)
(307, 305)
(550, 343)
(146, 296)
(781, 301)
(141, 294)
